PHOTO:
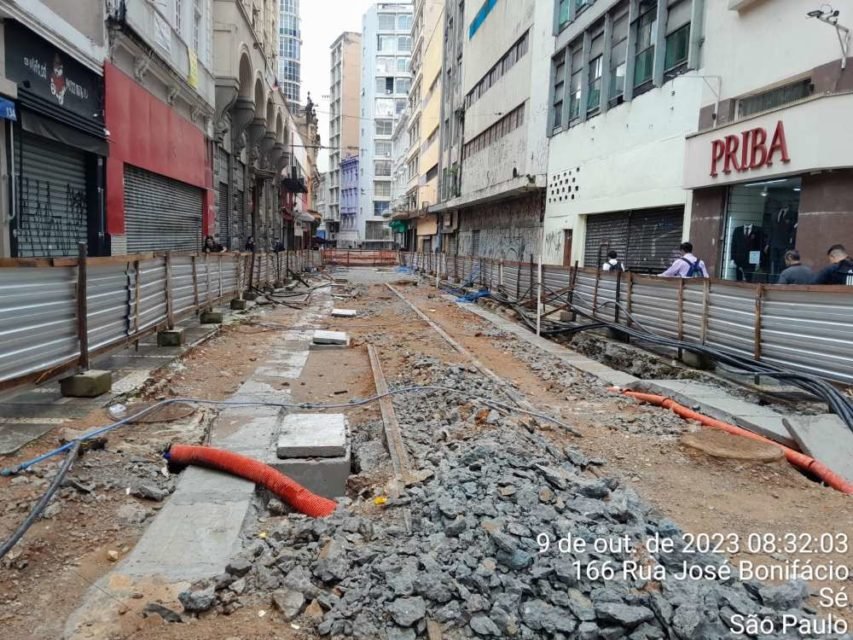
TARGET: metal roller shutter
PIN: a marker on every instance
(160, 214)
(224, 217)
(604, 232)
(53, 213)
(653, 239)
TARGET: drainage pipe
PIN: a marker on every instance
(285, 488)
(799, 460)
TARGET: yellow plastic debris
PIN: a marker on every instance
(380, 500)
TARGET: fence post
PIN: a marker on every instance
(706, 297)
(195, 281)
(82, 307)
(759, 293)
(170, 309)
(220, 276)
(629, 294)
(501, 273)
(137, 266)
(681, 308)
(595, 291)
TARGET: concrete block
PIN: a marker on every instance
(344, 313)
(250, 295)
(170, 338)
(697, 360)
(307, 435)
(826, 439)
(239, 305)
(88, 384)
(210, 317)
(330, 337)
(324, 476)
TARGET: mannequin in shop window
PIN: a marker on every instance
(746, 240)
(783, 231)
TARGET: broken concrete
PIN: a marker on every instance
(309, 435)
(88, 384)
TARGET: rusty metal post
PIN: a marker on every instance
(82, 307)
(170, 311)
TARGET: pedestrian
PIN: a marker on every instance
(687, 266)
(840, 269)
(612, 263)
(212, 246)
(795, 272)
(278, 246)
(250, 244)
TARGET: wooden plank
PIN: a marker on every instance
(826, 439)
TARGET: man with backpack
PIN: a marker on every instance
(687, 266)
(840, 270)
(612, 263)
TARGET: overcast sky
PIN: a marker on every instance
(322, 22)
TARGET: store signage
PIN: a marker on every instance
(752, 149)
(42, 70)
(7, 109)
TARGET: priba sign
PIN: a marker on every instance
(752, 149)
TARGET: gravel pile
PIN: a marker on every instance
(487, 494)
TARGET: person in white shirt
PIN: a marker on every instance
(612, 263)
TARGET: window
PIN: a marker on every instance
(402, 85)
(515, 53)
(404, 23)
(384, 108)
(382, 168)
(774, 98)
(432, 173)
(400, 105)
(403, 65)
(197, 25)
(386, 43)
(384, 127)
(404, 44)
(594, 73)
(379, 208)
(677, 37)
(385, 66)
(382, 189)
(563, 14)
(383, 148)
(646, 26)
(179, 11)
(618, 51)
(559, 90)
(386, 21)
(575, 82)
(384, 85)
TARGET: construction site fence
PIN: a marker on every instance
(806, 328)
(53, 321)
(360, 257)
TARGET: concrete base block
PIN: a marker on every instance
(330, 337)
(210, 317)
(239, 305)
(567, 316)
(306, 435)
(697, 360)
(344, 313)
(89, 384)
(250, 295)
(324, 476)
(170, 338)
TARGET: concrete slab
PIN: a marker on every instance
(717, 403)
(344, 313)
(330, 337)
(88, 384)
(324, 476)
(310, 435)
(15, 435)
(826, 439)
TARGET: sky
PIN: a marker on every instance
(322, 22)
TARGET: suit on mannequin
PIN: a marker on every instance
(745, 239)
(783, 230)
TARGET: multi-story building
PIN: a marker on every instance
(627, 79)
(347, 233)
(403, 213)
(493, 197)
(385, 83)
(290, 53)
(344, 119)
(425, 118)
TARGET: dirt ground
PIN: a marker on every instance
(62, 556)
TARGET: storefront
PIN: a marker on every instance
(771, 183)
(645, 240)
(58, 149)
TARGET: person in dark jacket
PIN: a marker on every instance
(795, 272)
(212, 246)
(250, 244)
(840, 269)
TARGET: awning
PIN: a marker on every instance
(399, 226)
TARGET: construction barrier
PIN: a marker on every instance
(360, 257)
(805, 328)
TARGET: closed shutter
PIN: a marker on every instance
(653, 239)
(605, 232)
(224, 216)
(160, 214)
(53, 210)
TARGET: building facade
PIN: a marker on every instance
(290, 53)
(348, 201)
(770, 167)
(385, 85)
(492, 189)
(344, 119)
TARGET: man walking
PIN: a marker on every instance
(840, 270)
(687, 266)
(795, 272)
(612, 263)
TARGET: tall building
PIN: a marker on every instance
(344, 122)
(290, 53)
(385, 83)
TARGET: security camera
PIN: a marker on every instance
(817, 13)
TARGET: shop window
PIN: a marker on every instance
(677, 38)
(646, 27)
(761, 225)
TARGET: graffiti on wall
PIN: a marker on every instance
(51, 220)
(554, 242)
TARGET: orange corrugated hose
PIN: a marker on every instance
(796, 458)
(285, 488)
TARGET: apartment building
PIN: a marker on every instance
(493, 157)
(290, 53)
(385, 85)
(344, 119)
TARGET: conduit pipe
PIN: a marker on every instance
(285, 488)
(799, 460)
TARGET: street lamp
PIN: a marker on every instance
(830, 17)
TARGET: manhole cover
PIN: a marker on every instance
(720, 444)
(165, 413)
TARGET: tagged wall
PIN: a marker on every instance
(505, 231)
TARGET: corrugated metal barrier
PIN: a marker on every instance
(805, 328)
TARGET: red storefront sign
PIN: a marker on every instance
(749, 150)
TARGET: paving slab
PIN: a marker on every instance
(330, 337)
(15, 435)
(826, 439)
(344, 313)
(312, 435)
(717, 403)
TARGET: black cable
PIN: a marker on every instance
(42, 503)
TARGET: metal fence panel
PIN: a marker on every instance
(731, 318)
(182, 290)
(152, 293)
(109, 305)
(654, 305)
(694, 308)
